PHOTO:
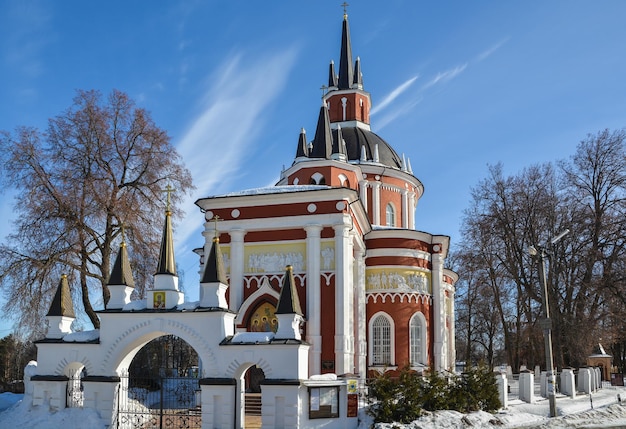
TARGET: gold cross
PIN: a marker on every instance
(215, 220)
(169, 190)
(345, 9)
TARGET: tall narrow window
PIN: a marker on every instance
(391, 215)
(381, 341)
(416, 340)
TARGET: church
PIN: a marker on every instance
(307, 288)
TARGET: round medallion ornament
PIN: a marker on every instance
(235, 213)
(311, 208)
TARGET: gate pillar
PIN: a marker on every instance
(100, 393)
(50, 389)
(218, 402)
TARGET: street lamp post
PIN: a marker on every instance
(546, 323)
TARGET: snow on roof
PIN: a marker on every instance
(82, 337)
(252, 337)
(276, 190)
(191, 305)
(141, 304)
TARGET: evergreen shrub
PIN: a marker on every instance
(403, 398)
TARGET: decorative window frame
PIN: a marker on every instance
(421, 320)
(390, 209)
(392, 338)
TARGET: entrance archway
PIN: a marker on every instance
(252, 379)
(160, 388)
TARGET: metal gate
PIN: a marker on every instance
(158, 402)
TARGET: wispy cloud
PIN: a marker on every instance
(29, 36)
(445, 76)
(396, 112)
(393, 95)
(223, 133)
(483, 55)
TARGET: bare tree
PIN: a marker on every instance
(586, 287)
(100, 167)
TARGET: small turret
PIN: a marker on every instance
(288, 311)
(323, 140)
(332, 77)
(165, 294)
(214, 284)
(121, 282)
(61, 313)
(303, 148)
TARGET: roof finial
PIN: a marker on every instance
(215, 220)
(345, 9)
(169, 191)
(323, 88)
(123, 230)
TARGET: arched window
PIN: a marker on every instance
(381, 340)
(317, 179)
(391, 215)
(417, 340)
(344, 181)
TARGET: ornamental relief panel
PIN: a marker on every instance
(273, 258)
(411, 281)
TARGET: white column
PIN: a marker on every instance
(452, 347)
(314, 297)
(412, 207)
(438, 309)
(344, 322)
(375, 203)
(360, 313)
(237, 265)
(405, 209)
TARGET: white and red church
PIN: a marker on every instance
(316, 283)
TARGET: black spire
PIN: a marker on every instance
(62, 302)
(288, 301)
(345, 61)
(121, 274)
(332, 76)
(214, 267)
(167, 263)
(303, 147)
(323, 140)
(339, 146)
(358, 76)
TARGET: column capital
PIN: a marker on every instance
(313, 230)
(237, 234)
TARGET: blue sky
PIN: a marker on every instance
(456, 85)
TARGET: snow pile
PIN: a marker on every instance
(188, 305)
(252, 337)
(82, 337)
(24, 415)
(323, 377)
(136, 305)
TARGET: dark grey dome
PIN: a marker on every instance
(356, 138)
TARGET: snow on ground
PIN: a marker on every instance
(607, 412)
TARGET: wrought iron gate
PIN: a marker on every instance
(158, 402)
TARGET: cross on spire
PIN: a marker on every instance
(215, 220)
(169, 191)
(323, 88)
(345, 9)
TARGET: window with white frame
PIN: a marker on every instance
(391, 215)
(417, 339)
(381, 340)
